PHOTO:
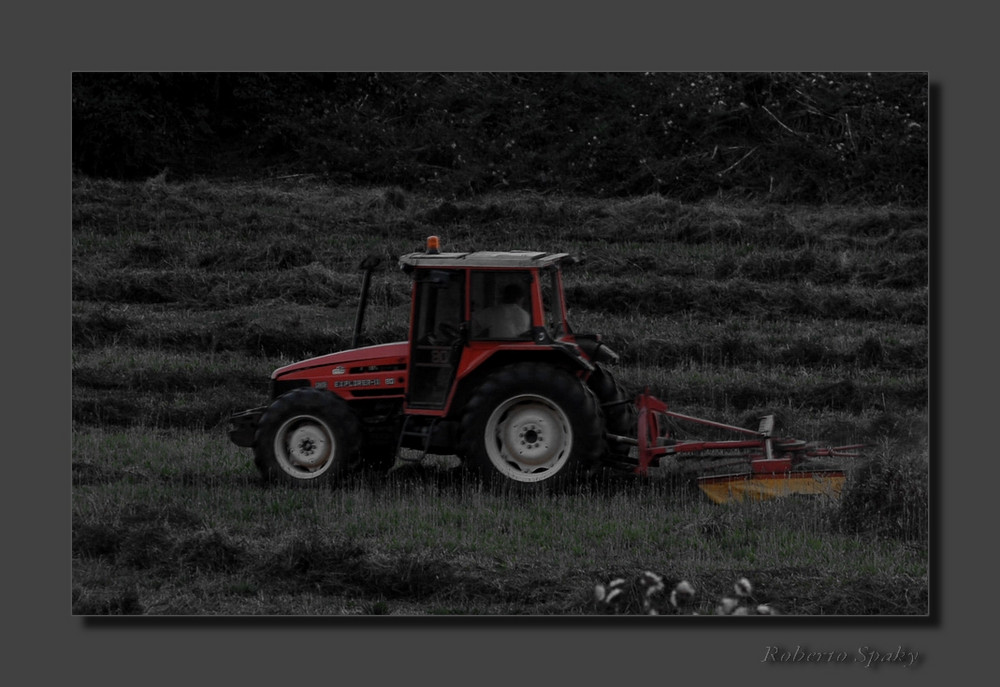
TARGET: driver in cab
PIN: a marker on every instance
(505, 320)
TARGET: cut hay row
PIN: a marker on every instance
(280, 330)
(661, 296)
(884, 267)
(309, 218)
(649, 295)
(284, 332)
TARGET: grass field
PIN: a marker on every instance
(186, 296)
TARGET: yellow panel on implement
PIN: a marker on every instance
(760, 487)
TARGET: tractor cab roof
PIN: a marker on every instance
(490, 259)
(494, 259)
(433, 258)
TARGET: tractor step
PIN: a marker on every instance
(425, 432)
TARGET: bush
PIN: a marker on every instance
(887, 497)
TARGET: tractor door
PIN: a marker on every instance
(436, 336)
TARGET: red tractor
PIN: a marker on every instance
(493, 373)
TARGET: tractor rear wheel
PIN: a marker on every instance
(306, 438)
(530, 424)
(620, 414)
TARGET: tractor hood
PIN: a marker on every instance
(383, 354)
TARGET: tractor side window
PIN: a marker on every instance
(501, 305)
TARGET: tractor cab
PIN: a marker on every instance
(469, 307)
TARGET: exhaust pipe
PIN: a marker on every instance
(369, 265)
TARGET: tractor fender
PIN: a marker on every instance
(475, 369)
(567, 355)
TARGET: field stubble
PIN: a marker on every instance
(176, 522)
(186, 296)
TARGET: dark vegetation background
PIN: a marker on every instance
(781, 137)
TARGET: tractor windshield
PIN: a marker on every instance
(552, 302)
(500, 304)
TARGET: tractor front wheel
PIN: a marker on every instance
(532, 423)
(305, 438)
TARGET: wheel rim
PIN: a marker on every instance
(305, 447)
(528, 438)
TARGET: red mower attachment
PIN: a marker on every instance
(761, 466)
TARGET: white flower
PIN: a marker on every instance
(682, 592)
(684, 588)
(743, 587)
(727, 606)
(652, 576)
(654, 582)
